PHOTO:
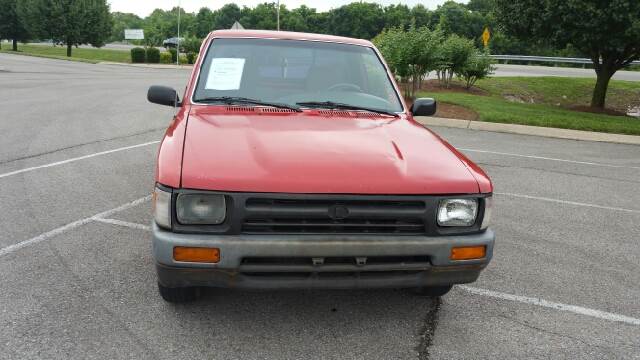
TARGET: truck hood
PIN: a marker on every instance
(249, 150)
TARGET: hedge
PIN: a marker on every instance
(153, 55)
(138, 55)
(174, 54)
(165, 57)
(191, 57)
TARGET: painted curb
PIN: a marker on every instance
(530, 130)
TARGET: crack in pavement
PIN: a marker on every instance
(560, 335)
(428, 329)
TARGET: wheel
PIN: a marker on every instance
(433, 291)
(178, 295)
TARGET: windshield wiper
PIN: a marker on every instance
(337, 105)
(229, 100)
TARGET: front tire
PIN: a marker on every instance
(432, 291)
(178, 295)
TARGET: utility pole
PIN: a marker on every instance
(278, 15)
(178, 40)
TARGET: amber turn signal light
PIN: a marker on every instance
(468, 252)
(196, 254)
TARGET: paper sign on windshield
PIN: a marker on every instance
(225, 74)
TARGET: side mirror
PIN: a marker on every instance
(163, 95)
(424, 107)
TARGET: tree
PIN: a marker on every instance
(479, 66)
(13, 24)
(397, 16)
(205, 22)
(454, 54)
(608, 32)
(411, 54)
(455, 18)
(122, 21)
(299, 19)
(358, 19)
(161, 25)
(158, 27)
(481, 6)
(421, 16)
(262, 17)
(227, 15)
(75, 22)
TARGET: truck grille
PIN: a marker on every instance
(340, 216)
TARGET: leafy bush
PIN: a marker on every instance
(454, 55)
(174, 55)
(191, 57)
(183, 59)
(165, 57)
(479, 66)
(153, 55)
(138, 55)
(411, 54)
(191, 44)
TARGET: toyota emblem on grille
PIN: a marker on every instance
(338, 212)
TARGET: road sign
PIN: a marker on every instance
(486, 35)
(134, 34)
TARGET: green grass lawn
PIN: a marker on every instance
(562, 92)
(545, 101)
(78, 54)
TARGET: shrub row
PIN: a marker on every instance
(154, 56)
(138, 55)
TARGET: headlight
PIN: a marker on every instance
(457, 212)
(201, 209)
(488, 204)
(162, 208)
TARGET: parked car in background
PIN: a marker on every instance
(172, 43)
(294, 162)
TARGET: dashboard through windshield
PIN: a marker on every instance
(296, 72)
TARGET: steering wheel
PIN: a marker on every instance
(345, 87)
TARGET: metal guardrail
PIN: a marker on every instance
(547, 59)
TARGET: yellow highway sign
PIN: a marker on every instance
(486, 35)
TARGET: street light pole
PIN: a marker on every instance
(278, 15)
(178, 40)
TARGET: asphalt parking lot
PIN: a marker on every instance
(77, 278)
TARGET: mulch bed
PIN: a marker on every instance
(433, 85)
(451, 111)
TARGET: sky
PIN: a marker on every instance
(145, 7)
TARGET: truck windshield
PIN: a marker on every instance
(296, 73)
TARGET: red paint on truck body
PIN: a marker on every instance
(216, 147)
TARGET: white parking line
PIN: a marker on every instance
(70, 226)
(57, 163)
(553, 305)
(549, 159)
(569, 202)
(124, 223)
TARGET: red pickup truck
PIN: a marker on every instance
(293, 162)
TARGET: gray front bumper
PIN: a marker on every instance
(230, 272)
